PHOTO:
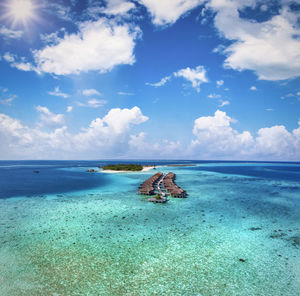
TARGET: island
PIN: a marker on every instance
(123, 167)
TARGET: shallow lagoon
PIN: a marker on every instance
(237, 233)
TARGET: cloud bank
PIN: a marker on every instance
(104, 137)
(215, 138)
(112, 136)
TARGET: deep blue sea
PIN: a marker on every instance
(64, 231)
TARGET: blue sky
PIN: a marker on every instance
(171, 79)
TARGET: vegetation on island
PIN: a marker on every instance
(123, 167)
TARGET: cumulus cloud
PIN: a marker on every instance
(169, 11)
(269, 48)
(50, 119)
(196, 76)
(58, 93)
(253, 88)
(97, 46)
(10, 34)
(215, 138)
(276, 140)
(110, 134)
(107, 136)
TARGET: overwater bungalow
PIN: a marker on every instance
(147, 187)
(171, 187)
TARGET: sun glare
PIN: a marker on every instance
(20, 11)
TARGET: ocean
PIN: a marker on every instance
(64, 231)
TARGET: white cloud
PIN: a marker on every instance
(162, 82)
(58, 93)
(253, 88)
(223, 103)
(141, 146)
(24, 66)
(289, 95)
(91, 92)
(50, 119)
(277, 141)
(98, 46)
(214, 96)
(120, 119)
(53, 38)
(60, 11)
(122, 93)
(196, 76)
(220, 83)
(118, 7)
(19, 63)
(92, 103)
(169, 11)
(270, 48)
(104, 137)
(111, 134)
(9, 33)
(215, 138)
(69, 108)
(9, 57)
(6, 98)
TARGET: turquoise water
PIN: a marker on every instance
(67, 232)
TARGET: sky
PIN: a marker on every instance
(150, 79)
